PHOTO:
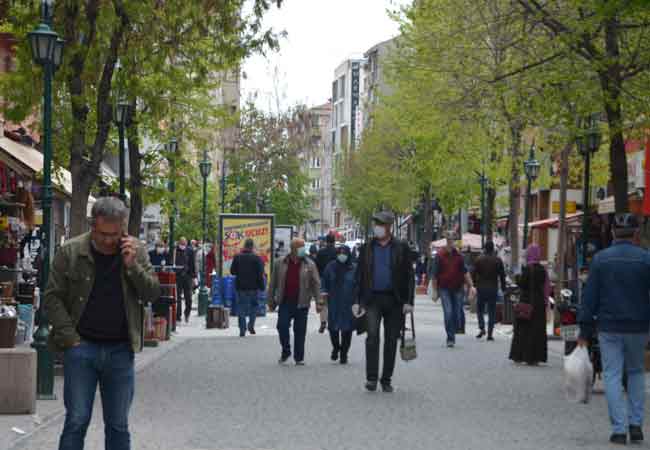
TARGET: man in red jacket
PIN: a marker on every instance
(448, 278)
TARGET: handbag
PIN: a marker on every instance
(524, 311)
(408, 349)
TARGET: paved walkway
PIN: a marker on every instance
(215, 391)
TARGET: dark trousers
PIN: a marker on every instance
(286, 314)
(247, 307)
(341, 341)
(184, 290)
(387, 308)
(486, 298)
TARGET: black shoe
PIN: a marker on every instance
(371, 386)
(335, 355)
(300, 363)
(480, 335)
(387, 387)
(242, 334)
(284, 358)
(636, 434)
(620, 439)
(323, 326)
(490, 338)
(344, 358)
(187, 319)
(450, 344)
(252, 331)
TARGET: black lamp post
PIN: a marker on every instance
(206, 167)
(482, 179)
(588, 143)
(47, 51)
(172, 148)
(121, 116)
(531, 168)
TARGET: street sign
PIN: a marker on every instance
(571, 207)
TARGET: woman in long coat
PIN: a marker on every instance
(529, 344)
(338, 285)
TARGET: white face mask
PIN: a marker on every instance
(182, 247)
(160, 250)
(379, 231)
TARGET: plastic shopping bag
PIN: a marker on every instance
(578, 373)
(430, 288)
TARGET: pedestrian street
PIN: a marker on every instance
(216, 391)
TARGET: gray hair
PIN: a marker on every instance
(110, 208)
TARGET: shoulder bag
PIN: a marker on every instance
(407, 348)
(524, 311)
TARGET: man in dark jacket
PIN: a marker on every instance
(616, 298)
(185, 275)
(249, 270)
(488, 271)
(159, 256)
(325, 256)
(386, 284)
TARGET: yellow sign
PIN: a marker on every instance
(4, 223)
(234, 232)
(571, 207)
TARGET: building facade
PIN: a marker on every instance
(346, 126)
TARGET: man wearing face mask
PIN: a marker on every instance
(185, 274)
(294, 284)
(159, 255)
(386, 285)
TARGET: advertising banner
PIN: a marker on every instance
(236, 228)
(282, 241)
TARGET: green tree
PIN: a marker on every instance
(170, 49)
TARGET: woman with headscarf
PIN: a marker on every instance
(338, 286)
(529, 344)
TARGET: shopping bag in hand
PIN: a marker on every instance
(578, 375)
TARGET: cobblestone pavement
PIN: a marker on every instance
(215, 391)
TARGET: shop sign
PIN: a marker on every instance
(4, 223)
(571, 207)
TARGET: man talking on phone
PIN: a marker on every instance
(93, 299)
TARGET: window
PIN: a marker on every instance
(315, 162)
(315, 184)
(334, 92)
(315, 121)
(342, 87)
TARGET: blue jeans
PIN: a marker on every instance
(246, 306)
(486, 298)
(620, 351)
(86, 366)
(452, 300)
(461, 311)
(286, 314)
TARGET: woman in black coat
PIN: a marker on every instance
(529, 344)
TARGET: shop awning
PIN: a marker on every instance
(469, 240)
(607, 205)
(552, 222)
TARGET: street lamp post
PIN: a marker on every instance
(121, 116)
(206, 167)
(172, 148)
(588, 143)
(47, 51)
(531, 168)
(483, 181)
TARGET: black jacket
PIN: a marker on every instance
(402, 272)
(325, 256)
(249, 270)
(185, 259)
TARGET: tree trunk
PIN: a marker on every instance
(81, 186)
(135, 176)
(611, 83)
(560, 260)
(515, 195)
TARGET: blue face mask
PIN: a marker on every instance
(302, 252)
(342, 258)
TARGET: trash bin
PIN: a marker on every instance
(508, 310)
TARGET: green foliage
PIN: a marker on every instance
(265, 172)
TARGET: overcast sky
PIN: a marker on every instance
(321, 35)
